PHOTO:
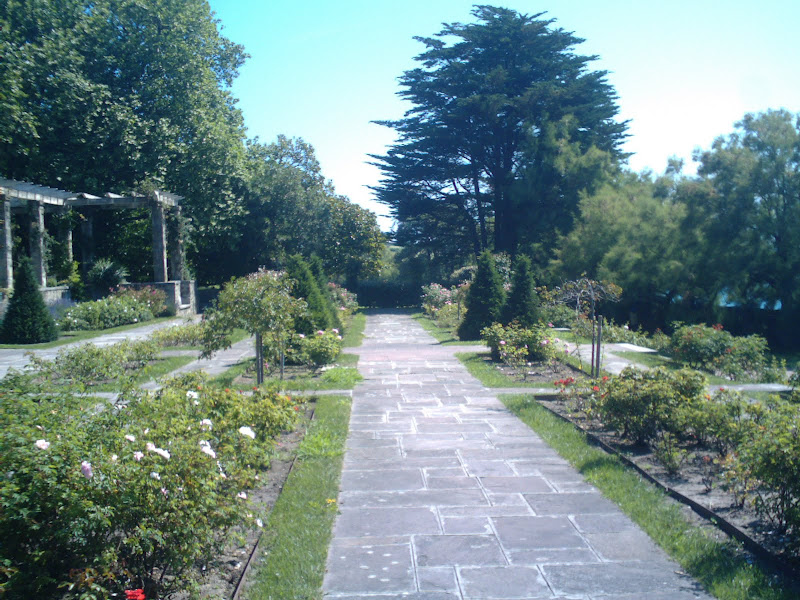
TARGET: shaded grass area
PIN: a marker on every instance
(298, 531)
(354, 333)
(79, 336)
(719, 565)
(444, 335)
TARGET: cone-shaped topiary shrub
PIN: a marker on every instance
(484, 301)
(306, 287)
(522, 304)
(318, 270)
(27, 320)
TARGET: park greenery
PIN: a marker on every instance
(118, 96)
(516, 215)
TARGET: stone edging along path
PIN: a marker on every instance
(446, 495)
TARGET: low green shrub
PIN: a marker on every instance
(559, 315)
(434, 297)
(345, 301)
(529, 343)
(738, 358)
(766, 469)
(88, 364)
(616, 334)
(722, 420)
(105, 313)
(316, 350)
(95, 502)
(104, 276)
(188, 334)
(153, 298)
(644, 405)
(27, 319)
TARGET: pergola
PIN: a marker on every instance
(23, 198)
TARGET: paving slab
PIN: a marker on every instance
(446, 495)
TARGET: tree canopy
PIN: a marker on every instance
(121, 95)
(496, 103)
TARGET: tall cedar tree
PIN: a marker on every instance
(523, 301)
(486, 99)
(27, 320)
(485, 299)
(306, 287)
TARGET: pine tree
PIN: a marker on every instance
(306, 287)
(485, 299)
(523, 301)
(27, 320)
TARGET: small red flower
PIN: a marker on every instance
(595, 388)
(135, 594)
(605, 377)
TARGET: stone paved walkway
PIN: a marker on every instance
(446, 495)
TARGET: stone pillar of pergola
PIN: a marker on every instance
(159, 241)
(6, 246)
(36, 242)
(176, 250)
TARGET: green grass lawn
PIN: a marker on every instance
(294, 547)
(354, 333)
(719, 565)
(78, 336)
(443, 335)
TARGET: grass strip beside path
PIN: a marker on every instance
(718, 565)
(298, 531)
(443, 335)
(354, 333)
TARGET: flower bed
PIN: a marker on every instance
(733, 455)
(97, 502)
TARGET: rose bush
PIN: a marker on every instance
(111, 311)
(95, 502)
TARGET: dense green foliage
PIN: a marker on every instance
(485, 299)
(508, 124)
(122, 95)
(718, 247)
(111, 311)
(261, 304)
(517, 345)
(644, 405)
(319, 313)
(88, 364)
(131, 497)
(27, 320)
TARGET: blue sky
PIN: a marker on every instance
(685, 71)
